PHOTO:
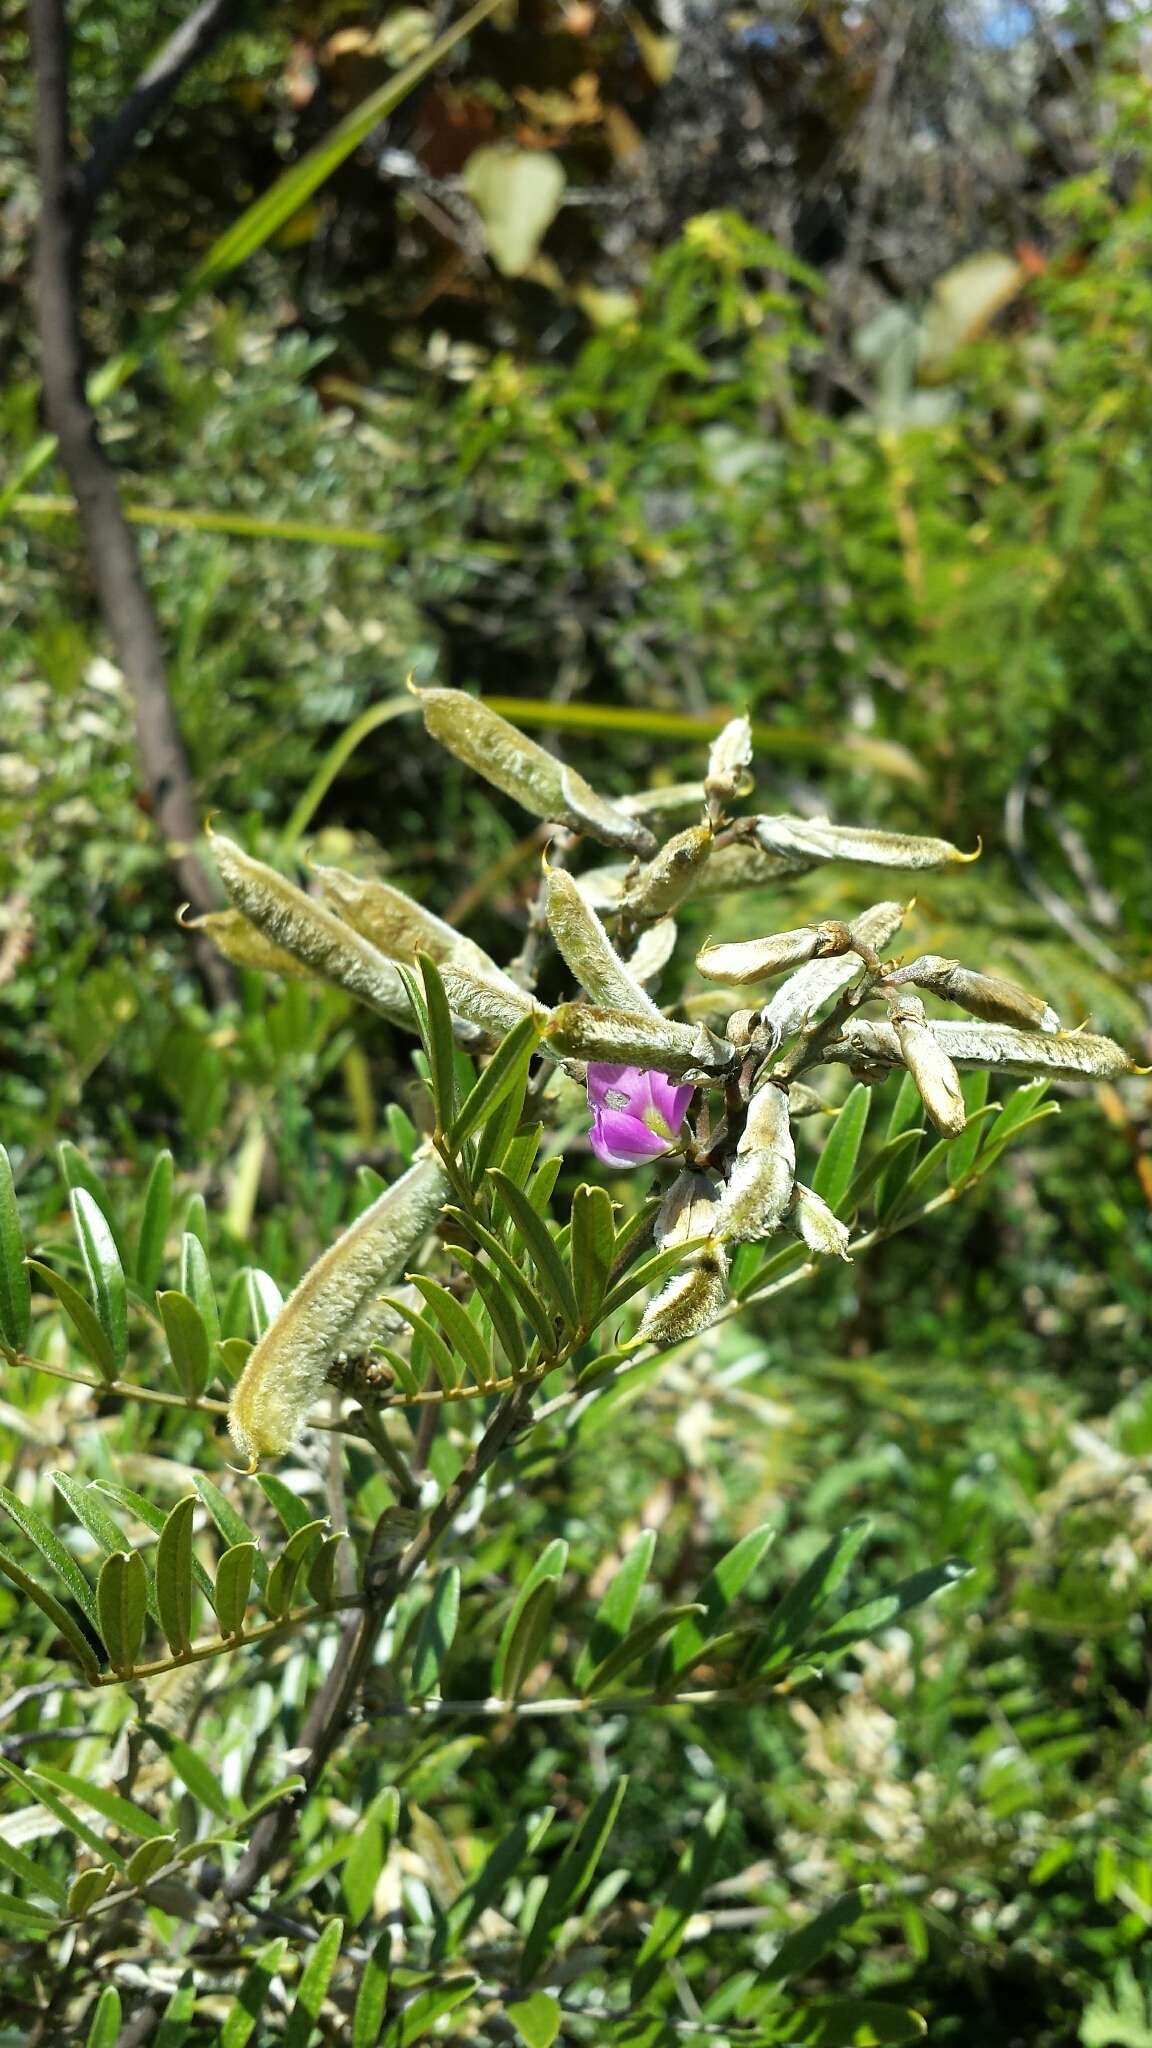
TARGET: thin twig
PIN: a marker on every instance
(332, 1708)
(153, 91)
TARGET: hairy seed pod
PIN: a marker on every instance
(818, 839)
(990, 996)
(682, 1051)
(689, 1209)
(239, 941)
(288, 1367)
(399, 927)
(310, 933)
(663, 801)
(526, 772)
(589, 952)
(1062, 1055)
(652, 951)
(742, 864)
(489, 1006)
(930, 1067)
(818, 1226)
(811, 987)
(805, 1101)
(758, 959)
(728, 764)
(604, 886)
(755, 1201)
(670, 876)
(688, 1302)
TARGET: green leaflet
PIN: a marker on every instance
(105, 2029)
(155, 1218)
(549, 1566)
(459, 1328)
(637, 1643)
(671, 1918)
(82, 1316)
(123, 1813)
(15, 1287)
(613, 1617)
(59, 1616)
(502, 1081)
(365, 1857)
(436, 1633)
(54, 1553)
(252, 1997)
(313, 1986)
(105, 1273)
(174, 1575)
(232, 1526)
(372, 1994)
(788, 1625)
(41, 1790)
(188, 1342)
(233, 1585)
(527, 1640)
(837, 1161)
(591, 1248)
(541, 1248)
(724, 1583)
(572, 1876)
(92, 1515)
(801, 1949)
(196, 1283)
(122, 1604)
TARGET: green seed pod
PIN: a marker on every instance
(728, 764)
(589, 952)
(742, 864)
(814, 1222)
(811, 987)
(682, 1051)
(399, 927)
(489, 1006)
(663, 801)
(670, 876)
(758, 959)
(604, 886)
(817, 839)
(989, 996)
(805, 1101)
(288, 1367)
(653, 950)
(755, 1201)
(1063, 1055)
(930, 1067)
(535, 779)
(688, 1302)
(689, 1209)
(239, 941)
(310, 933)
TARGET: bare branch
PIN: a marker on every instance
(124, 601)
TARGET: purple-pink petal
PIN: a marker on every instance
(604, 1080)
(669, 1100)
(620, 1139)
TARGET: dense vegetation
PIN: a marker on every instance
(867, 461)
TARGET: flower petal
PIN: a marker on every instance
(669, 1099)
(603, 1079)
(623, 1140)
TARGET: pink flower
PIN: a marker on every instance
(636, 1115)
